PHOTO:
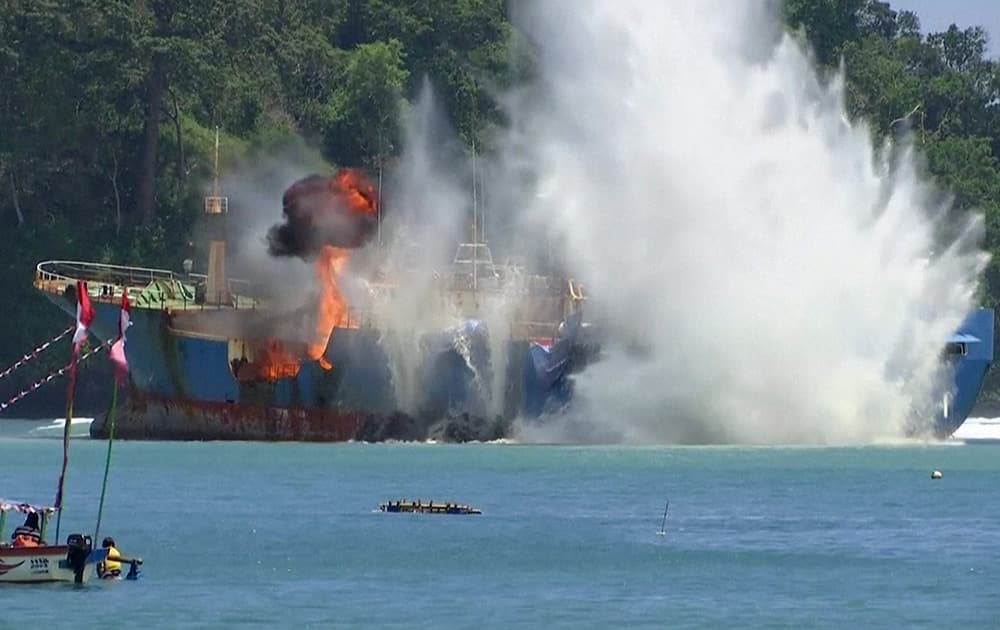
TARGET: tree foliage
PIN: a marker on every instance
(108, 108)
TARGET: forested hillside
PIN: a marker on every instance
(108, 110)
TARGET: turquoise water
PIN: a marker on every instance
(285, 535)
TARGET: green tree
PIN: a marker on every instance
(367, 104)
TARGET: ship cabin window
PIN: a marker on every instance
(955, 349)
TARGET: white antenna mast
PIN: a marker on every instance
(475, 226)
(482, 194)
(378, 215)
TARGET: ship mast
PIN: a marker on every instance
(475, 227)
(482, 203)
(216, 208)
(378, 208)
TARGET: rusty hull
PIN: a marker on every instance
(147, 418)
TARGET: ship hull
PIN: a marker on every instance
(143, 417)
(970, 355)
(184, 384)
(170, 364)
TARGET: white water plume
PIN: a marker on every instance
(429, 207)
(426, 208)
(775, 279)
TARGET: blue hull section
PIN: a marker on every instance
(970, 350)
(546, 386)
(185, 367)
(169, 365)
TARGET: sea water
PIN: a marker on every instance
(288, 535)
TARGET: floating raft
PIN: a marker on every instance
(418, 507)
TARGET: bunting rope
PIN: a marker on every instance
(61, 371)
(34, 353)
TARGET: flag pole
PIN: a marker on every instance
(71, 385)
(107, 461)
(117, 356)
(84, 315)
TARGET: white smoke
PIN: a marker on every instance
(781, 281)
(254, 186)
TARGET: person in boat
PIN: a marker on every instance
(112, 565)
(27, 535)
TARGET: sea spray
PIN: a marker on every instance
(764, 273)
(427, 202)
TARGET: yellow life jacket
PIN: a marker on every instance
(111, 564)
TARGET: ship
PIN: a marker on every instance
(186, 365)
(217, 358)
(213, 358)
(195, 376)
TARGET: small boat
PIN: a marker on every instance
(419, 507)
(29, 558)
(75, 561)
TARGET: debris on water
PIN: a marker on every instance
(419, 507)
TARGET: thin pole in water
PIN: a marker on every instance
(107, 462)
(70, 386)
(663, 524)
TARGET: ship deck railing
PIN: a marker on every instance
(106, 282)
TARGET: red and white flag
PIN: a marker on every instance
(84, 315)
(118, 347)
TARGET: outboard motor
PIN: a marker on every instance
(133, 570)
(80, 547)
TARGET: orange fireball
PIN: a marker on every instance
(325, 217)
